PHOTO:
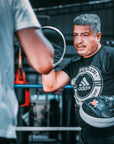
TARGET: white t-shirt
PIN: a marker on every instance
(14, 15)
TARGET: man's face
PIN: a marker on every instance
(85, 41)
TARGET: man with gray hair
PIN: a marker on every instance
(89, 19)
(92, 77)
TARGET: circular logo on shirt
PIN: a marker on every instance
(87, 83)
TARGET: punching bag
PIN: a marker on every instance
(23, 96)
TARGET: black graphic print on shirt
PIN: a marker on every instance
(87, 83)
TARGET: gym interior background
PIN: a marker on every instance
(55, 110)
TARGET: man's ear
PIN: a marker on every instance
(99, 36)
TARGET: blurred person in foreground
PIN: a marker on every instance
(17, 18)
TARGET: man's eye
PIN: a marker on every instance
(85, 35)
(74, 35)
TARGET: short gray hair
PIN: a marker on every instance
(89, 19)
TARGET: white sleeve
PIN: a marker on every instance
(24, 15)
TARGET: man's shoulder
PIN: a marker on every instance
(107, 49)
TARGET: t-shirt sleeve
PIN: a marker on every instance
(24, 15)
(108, 60)
(72, 67)
(67, 69)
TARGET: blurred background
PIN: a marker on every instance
(57, 109)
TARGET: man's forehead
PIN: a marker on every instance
(82, 28)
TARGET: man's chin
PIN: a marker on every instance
(81, 53)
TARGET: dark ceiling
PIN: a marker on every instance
(50, 3)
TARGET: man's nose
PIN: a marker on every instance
(79, 39)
